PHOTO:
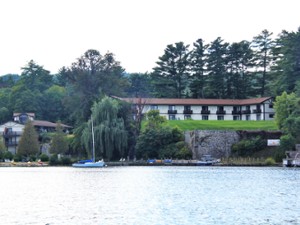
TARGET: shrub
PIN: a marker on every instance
(32, 158)
(53, 160)
(17, 158)
(287, 142)
(248, 147)
(270, 161)
(44, 158)
(8, 155)
(65, 161)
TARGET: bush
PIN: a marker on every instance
(65, 161)
(53, 160)
(8, 155)
(248, 147)
(17, 158)
(32, 158)
(270, 161)
(44, 158)
(287, 142)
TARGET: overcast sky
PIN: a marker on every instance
(54, 33)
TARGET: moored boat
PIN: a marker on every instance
(207, 160)
(90, 163)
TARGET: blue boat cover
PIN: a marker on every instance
(85, 161)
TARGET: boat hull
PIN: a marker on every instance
(89, 165)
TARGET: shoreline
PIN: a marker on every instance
(113, 164)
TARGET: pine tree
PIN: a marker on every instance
(262, 45)
(171, 74)
(28, 144)
(198, 61)
(216, 66)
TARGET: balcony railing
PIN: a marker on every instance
(172, 111)
(187, 111)
(246, 111)
(256, 110)
(205, 112)
(11, 134)
(11, 143)
(236, 112)
(221, 112)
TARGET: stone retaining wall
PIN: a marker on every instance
(211, 142)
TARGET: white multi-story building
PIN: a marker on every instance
(12, 131)
(207, 109)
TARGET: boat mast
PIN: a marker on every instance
(93, 139)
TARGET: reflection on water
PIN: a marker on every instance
(149, 195)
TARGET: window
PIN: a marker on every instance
(204, 117)
(247, 117)
(172, 117)
(205, 108)
(271, 115)
(220, 117)
(171, 107)
(187, 107)
(154, 107)
(271, 106)
(258, 117)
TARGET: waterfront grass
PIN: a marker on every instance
(222, 125)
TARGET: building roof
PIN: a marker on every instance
(188, 101)
(18, 114)
(43, 123)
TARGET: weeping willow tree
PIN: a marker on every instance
(109, 130)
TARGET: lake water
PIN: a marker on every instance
(149, 195)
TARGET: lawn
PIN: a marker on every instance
(222, 125)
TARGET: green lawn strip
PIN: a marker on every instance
(222, 125)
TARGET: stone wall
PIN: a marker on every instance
(216, 143)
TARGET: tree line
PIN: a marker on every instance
(261, 67)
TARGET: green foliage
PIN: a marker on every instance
(90, 77)
(44, 158)
(158, 140)
(53, 108)
(154, 120)
(287, 67)
(284, 106)
(287, 117)
(4, 115)
(28, 144)
(2, 145)
(183, 151)
(59, 144)
(65, 161)
(287, 142)
(216, 65)
(270, 161)
(197, 63)
(53, 160)
(18, 158)
(8, 155)
(171, 74)
(248, 147)
(263, 45)
(109, 129)
(139, 85)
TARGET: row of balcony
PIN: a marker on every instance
(11, 134)
(220, 112)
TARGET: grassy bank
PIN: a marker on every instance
(222, 125)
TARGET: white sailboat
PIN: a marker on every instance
(90, 163)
